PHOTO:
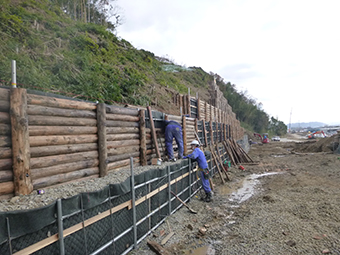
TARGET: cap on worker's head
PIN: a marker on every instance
(195, 142)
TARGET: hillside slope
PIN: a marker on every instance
(58, 54)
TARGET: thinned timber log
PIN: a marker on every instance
(121, 163)
(51, 111)
(117, 144)
(4, 94)
(60, 121)
(153, 132)
(4, 118)
(20, 145)
(211, 131)
(6, 164)
(6, 176)
(59, 103)
(41, 162)
(5, 141)
(65, 177)
(121, 110)
(102, 139)
(62, 149)
(7, 188)
(113, 123)
(5, 152)
(214, 157)
(142, 136)
(221, 163)
(184, 130)
(119, 117)
(60, 130)
(4, 106)
(64, 168)
(205, 133)
(5, 129)
(122, 156)
(122, 150)
(122, 130)
(119, 137)
(175, 118)
(35, 141)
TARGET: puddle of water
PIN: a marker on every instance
(246, 190)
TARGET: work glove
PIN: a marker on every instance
(206, 174)
(184, 157)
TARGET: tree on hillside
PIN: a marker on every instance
(277, 127)
(102, 12)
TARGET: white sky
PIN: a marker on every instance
(285, 53)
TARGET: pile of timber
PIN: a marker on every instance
(236, 153)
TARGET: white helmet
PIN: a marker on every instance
(195, 142)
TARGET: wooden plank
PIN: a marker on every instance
(4, 106)
(20, 143)
(167, 238)
(5, 152)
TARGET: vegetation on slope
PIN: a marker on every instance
(63, 50)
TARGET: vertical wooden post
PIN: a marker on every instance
(205, 134)
(211, 133)
(102, 145)
(198, 108)
(184, 130)
(20, 142)
(206, 110)
(142, 135)
(181, 104)
(189, 105)
(153, 133)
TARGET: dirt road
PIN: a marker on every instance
(289, 203)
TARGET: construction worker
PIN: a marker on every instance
(173, 130)
(199, 156)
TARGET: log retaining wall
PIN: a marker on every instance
(46, 141)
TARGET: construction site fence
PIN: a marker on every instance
(47, 141)
(113, 220)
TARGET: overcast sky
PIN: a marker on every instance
(285, 53)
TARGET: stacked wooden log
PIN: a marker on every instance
(63, 140)
(6, 172)
(236, 153)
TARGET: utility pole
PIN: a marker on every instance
(290, 121)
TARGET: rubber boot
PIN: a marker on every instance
(208, 197)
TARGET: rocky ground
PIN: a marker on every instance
(288, 203)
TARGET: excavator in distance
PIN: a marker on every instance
(313, 135)
(264, 138)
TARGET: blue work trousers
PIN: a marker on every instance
(205, 183)
(171, 132)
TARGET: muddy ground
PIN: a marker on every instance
(288, 203)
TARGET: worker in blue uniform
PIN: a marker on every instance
(203, 169)
(173, 130)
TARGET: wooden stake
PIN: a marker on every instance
(153, 133)
(142, 136)
(20, 142)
